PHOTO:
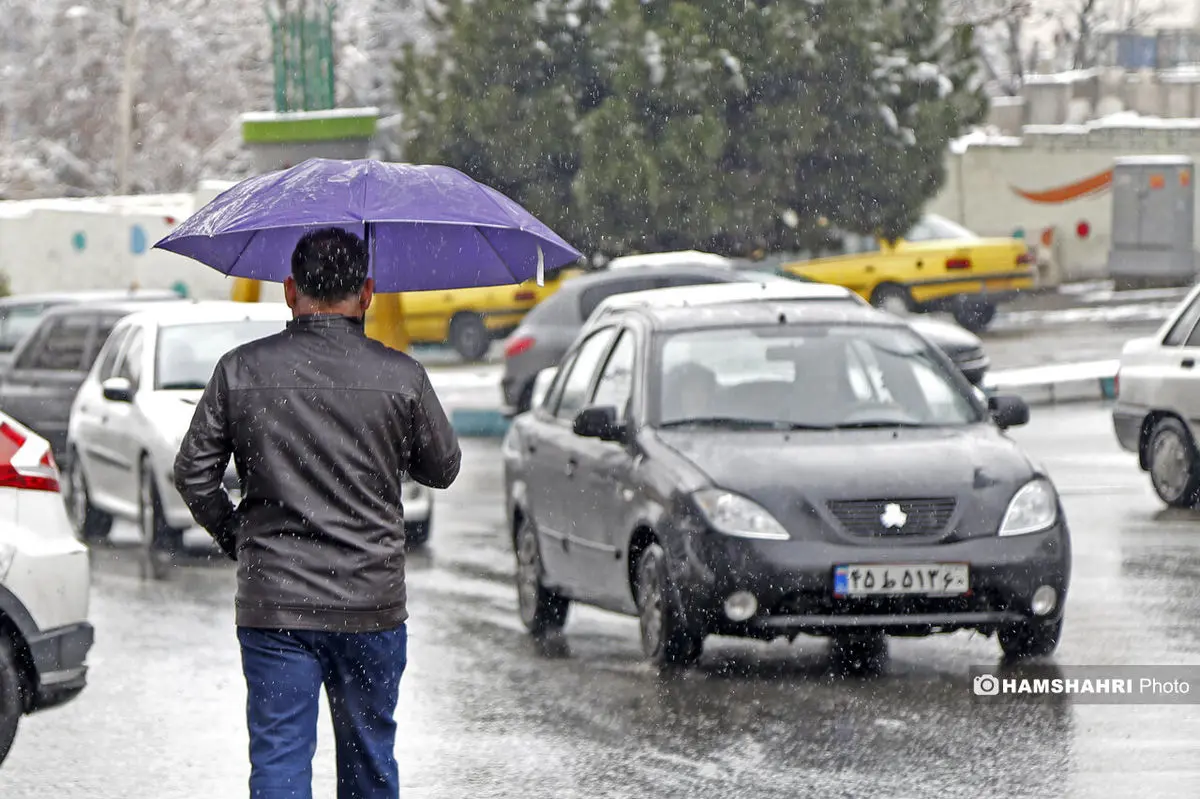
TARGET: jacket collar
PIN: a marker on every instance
(328, 321)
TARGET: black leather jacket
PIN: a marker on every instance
(322, 423)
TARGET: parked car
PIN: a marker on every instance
(470, 319)
(543, 337)
(20, 313)
(50, 363)
(756, 462)
(45, 580)
(1157, 410)
(134, 407)
(937, 266)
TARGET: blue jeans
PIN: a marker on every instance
(361, 673)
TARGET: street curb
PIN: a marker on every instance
(1039, 386)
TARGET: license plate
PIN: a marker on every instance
(940, 579)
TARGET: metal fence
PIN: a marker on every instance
(302, 50)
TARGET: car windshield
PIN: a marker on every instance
(937, 228)
(187, 354)
(807, 376)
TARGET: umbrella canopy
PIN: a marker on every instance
(429, 227)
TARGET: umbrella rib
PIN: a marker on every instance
(241, 252)
(499, 257)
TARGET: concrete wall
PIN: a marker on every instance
(984, 174)
(102, 243)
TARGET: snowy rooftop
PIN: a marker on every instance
(332, 113)
(677, 258)
(179, 205)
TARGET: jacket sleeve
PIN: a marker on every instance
(201, 463)
(436, 456)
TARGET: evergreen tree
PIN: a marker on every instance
(726, 125)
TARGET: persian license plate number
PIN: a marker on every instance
(936, 579)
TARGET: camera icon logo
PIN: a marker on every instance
(986, 685)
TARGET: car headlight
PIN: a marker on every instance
(733, 514)
(1033, 508)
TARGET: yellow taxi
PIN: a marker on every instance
(469, 320)
(937, 266)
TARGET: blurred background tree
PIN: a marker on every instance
(732, 127)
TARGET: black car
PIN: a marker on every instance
(545, 333)
(760, 467)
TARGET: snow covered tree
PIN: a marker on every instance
(635, 125)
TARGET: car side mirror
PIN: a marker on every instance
(1008, 411)
(599, 422)
(117, 389)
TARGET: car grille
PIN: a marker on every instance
(864, 517)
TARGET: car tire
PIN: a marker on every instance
(12, 701)
(892, 298)
(90, 524)
(160, 541)
(1032, 639)
(416, 534)
(542, 611)
(975, 315)
(1173, 463)
(667, 641)
(469, 337)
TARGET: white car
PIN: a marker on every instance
(135, 406)
(1157, 411)
(45, 580)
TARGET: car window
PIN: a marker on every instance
(130, 366)
(937, 228)
(616, 380)
(108, 354)
(16, 322)
(187, 355)
(592, 296)
(808, 375)
(1193, 340)
(104, 328)
(688, 280)
(62, 347)
(1182, 329)
(578, 379)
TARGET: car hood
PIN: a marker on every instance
(796, 475)
(170, 412)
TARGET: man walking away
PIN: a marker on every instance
(322, 423)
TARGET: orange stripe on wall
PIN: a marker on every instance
(1072, 191)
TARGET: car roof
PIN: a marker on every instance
(748, 303)
(97, 295)
(212, 311)
(116, 307)
(674, 258)
(603, 276)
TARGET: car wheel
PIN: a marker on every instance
(160, 542)
(892, 298)
(666, 640)
(90, 524)
(416, 534)
(1032, 639)
(860, 650)
(12, 704)
(1173, 463)
(974, 315)
(541, 609)
(469, 337)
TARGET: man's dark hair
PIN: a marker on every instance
(330, 264)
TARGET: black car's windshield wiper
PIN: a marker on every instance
(876, 423)
(183, 386)
(740, 423)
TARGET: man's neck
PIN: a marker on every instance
(349, 308)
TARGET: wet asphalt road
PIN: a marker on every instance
(486, 713)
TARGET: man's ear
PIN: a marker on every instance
(289, 291)
(367, 294)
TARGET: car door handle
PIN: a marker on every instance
(1188, 363)
(571, 464)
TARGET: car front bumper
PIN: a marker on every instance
(792, 582)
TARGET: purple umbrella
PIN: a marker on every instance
(428, 227)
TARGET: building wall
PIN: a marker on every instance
(984, 176)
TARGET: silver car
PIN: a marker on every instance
(545, 334)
